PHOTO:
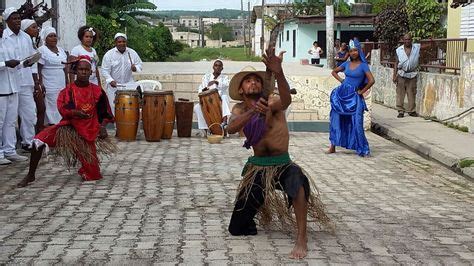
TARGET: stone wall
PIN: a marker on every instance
(438, 95)
(310, 104)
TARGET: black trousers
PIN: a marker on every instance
(315, 61)
(242, 220)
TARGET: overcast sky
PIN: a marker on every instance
(207, 4)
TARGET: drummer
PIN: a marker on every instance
(214, 80)
(117, 67)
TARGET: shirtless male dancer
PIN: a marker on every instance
(262, 118)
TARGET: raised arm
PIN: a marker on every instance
(337, 70)
(273, 62)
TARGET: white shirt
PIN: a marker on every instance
(407, 66)
(53, 68)
(20, 47)
(116, 66)
(8, 76)
(222, 87)
(314, 51)
(79, 50)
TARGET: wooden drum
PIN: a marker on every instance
(153, 114)
(169, 114)
(211, 106)
(127, 114)
(184, 117)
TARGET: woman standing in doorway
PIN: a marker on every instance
(315, 51)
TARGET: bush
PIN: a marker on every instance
(152, 43)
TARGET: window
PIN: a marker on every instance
(279, 40)
(294, 43)
(287, 35)
(467, 22)
(181, 37)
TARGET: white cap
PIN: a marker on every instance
(26, 23)
(120, 35)
(7, 12)
(45, 31)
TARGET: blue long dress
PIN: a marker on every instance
(347, 111)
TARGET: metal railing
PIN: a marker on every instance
(436, 55)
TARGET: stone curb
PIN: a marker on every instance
(423, 147)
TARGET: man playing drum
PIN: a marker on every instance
(117, 67)
(214, 80)
(261, 115)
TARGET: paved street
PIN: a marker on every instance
(170, 202)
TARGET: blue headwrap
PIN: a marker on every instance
(356, 44)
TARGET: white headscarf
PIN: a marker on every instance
(120, 35)
(26, 23)
(7, 13)
(45, 31)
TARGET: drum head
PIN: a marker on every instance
(166, 92)
(208, 92)
(127, 92)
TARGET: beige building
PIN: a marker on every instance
(192, 39)
(461, 24)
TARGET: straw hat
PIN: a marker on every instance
(236, 81)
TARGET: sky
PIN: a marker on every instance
(206, 5)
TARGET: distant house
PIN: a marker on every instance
(461, 24)
(192, 22)
(191, 39)
(71, 16)
(300, 32)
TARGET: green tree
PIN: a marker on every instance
(424, 19)
(380, 5)
(107, 29)
(220, 30)
(390, 25)
(308, 7)
(123, 12)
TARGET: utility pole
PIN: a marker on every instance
(250, 29)
(330, 33)
(262, 37)
(243, 24)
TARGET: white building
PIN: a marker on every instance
(71, 16)
(191, 22)
(210, 21)
(192, 39)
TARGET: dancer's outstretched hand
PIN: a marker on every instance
(272, 61)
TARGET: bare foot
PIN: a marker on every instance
(25, 181)
(332, 149)
(300, 250)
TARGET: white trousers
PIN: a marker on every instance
(51, 102)
(111, 97)
(200, 117)
(27, 114)
(8, 118)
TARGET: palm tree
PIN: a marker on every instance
(123, 12)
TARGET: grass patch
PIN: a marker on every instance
(198, 54)
(457, 127)
(466, 163)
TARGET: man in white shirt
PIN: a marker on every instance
(214, 80)
(18, 45)
(405, 75)
(117, 67)
(9, 87)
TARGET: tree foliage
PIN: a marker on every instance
(152, 43)
(424, 18)
(390, 25)
(380, 5)
(220, 30)
(217, 13)
(123, 12)
(308, 7)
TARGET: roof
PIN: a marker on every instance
(366, 19)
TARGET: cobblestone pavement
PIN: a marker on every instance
(170, 202)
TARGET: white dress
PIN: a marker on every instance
(54, 80)
(79, 50)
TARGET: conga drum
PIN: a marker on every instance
(169, 114)
(153, 114)
(127, 114)
(211, 106)
(184, 117)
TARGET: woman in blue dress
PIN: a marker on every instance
(348, 105)
(342, 55)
